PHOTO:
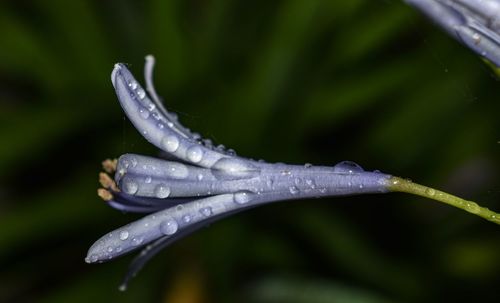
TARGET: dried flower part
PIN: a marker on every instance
(109, 165)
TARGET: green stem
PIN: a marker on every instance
(397, 184)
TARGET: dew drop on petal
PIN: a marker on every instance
(123, 235)
(130, 187)
(93, 258)
(136, 241)
(169, 227)
(347, 167)
(162, 191)
(144, 113)
(133, 85)
(206, 211)
(141, 93)
(293, 190)
(194, 154)
(186, 218)
(147, 180)
(170, 143)
(242, 197)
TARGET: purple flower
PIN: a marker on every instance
(205, 183)
(475, 23)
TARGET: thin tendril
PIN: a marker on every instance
(397, 184)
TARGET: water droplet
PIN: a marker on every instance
(93, 258)
(118, 249)
(148, 180)
(130, 187)
(347, 167)
(194, 154)
(206, 211)
(231, 168)
(186, 218)
(161, 126)
(242, 197)
(310, 183)
(151, 107)
(137, 241)
(170, 143)
(123, 235)
(297, 181)
(178, 171)
(141, 93)
(431, 192)
(162, 191)
(199, 177)
(133, 85)
(308, 165)
(293, 190)
(144, 113)
(169, 227)
(110, 249)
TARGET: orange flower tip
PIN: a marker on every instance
(109, 165)
(104, 194)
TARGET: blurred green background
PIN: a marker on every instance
(293, 81)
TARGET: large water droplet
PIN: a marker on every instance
(162, 191)
(130, 187)
(231, 168)
(347, 167)
(170, 143)
(242, 197)
(123, 235)
(169, 227)
(194, 154)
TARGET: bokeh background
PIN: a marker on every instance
(296, 81)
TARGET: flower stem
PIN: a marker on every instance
(397, 184)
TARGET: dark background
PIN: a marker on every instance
(292, 81)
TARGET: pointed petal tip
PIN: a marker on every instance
(114, 73)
